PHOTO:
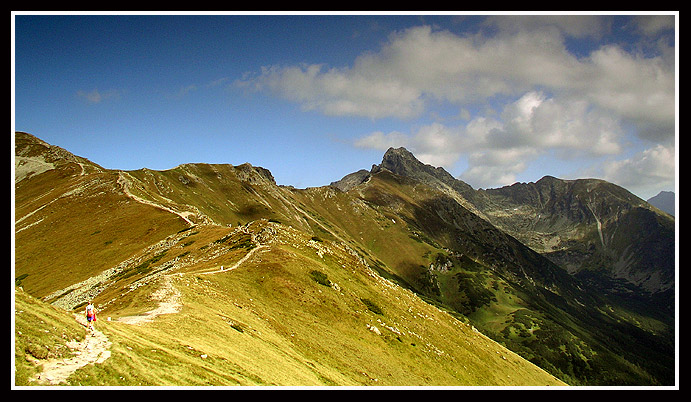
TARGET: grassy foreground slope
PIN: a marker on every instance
(299, 311)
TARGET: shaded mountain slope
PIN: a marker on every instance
(509, 291)
(580, 223)
(517, 295)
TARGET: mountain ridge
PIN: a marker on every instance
(420, 236)
(552, 241)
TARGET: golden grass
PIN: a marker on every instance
(269, 322)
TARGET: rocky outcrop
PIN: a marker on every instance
(352, 180)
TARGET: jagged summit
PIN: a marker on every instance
(396, 158)
(403, 163)
(399, 161)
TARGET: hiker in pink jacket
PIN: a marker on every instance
(90, 315)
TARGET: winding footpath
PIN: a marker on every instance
(237, 264)
(168, 303)
(169, 298)
(95, 346)
(93, 349)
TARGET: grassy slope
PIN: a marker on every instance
(269, 322)
(41, 332)
(73, 227)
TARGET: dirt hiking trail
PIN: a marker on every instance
(168, 297)
(169, 302)
(93, 349)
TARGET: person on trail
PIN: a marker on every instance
(90, 316)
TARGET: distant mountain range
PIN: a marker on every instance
(664, 201)
(575, 276)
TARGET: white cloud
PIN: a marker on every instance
(535, 125)
(419, 64)
(340, 92)
(578, 26)
(568, 125)
(383, 141)
(637, 88)
(434, 144)
(495, 168)
(653, 24)
(497, 150)
(646, 172)
(554, 101)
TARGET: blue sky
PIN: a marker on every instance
(494, 99)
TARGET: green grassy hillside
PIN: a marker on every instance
(298, 312)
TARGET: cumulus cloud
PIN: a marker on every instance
(497, 149)
(553, 99)
(493, 168)
(570, 125)
(637, 88)
(382, 141)
(339, 92)
(645, 172)
(653, 24)
(420, 64)
(578, 26)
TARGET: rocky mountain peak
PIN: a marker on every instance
(482, 252)
(402, 162)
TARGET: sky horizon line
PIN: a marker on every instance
(336, 179)
(494, 98)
